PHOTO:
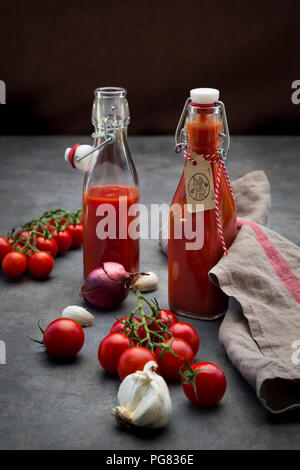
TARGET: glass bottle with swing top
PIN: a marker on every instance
(110, 190)
(202, 133)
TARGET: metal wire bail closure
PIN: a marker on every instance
(225, 137)
(108, 136)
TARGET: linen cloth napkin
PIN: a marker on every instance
(261, 273)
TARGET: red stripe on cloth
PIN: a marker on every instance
(281, 267)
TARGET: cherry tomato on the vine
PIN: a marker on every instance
(47, 244)
(167, 317)
(40, 264)
(61, 220)
(119, 327)
(134, 359)
(63, 239)
(187, 332)
(110, 349)
(63, 338)
(76, 234)
(25, 234)
(14, 264)
(4, 247)
(46, 226)
(209, 381)
(170, 366)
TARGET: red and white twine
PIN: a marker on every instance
(215, 158)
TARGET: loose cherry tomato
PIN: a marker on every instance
(209, 383)
(110, 349)
(77, 234)
(134, 359)
(119, 327)
(14, 263)
(187, 332)
(170, 366)
(63, 240)
(63, 338)
(4, 247)
(40, 264)
(47, 244)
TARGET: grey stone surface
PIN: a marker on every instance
(49, 405)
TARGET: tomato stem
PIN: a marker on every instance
(36, 340)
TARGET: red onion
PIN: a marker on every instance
(108, 285)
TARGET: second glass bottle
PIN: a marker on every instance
(111, 187)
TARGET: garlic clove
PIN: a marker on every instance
(147, 282)
(78, 314)
(144, 399)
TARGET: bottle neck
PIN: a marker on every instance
(110, 109)
(203, 128)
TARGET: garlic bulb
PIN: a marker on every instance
(79, 314)
(147, 282)
(144, 399)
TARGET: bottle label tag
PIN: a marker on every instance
(199, 184)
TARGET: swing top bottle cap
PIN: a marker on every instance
(204, 95)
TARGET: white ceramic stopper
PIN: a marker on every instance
(86, 163)
(204, 95)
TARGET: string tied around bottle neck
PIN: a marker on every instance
(215, 158)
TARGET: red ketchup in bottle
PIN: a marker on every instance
(121, 250)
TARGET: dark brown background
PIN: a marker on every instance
(54, 53)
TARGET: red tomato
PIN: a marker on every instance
(63, 221)
(134, 359)
(4, 247)
(47, 226)
(14, 263)
(110, 349)
(40, 264)
(63, 240)
(77, 234)
(167, 317)
(187, 332)
(46, 244)
(119, 327)
(19, 245)
(25, 234)
(63, 338)
(210, 384)
(170, 366)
